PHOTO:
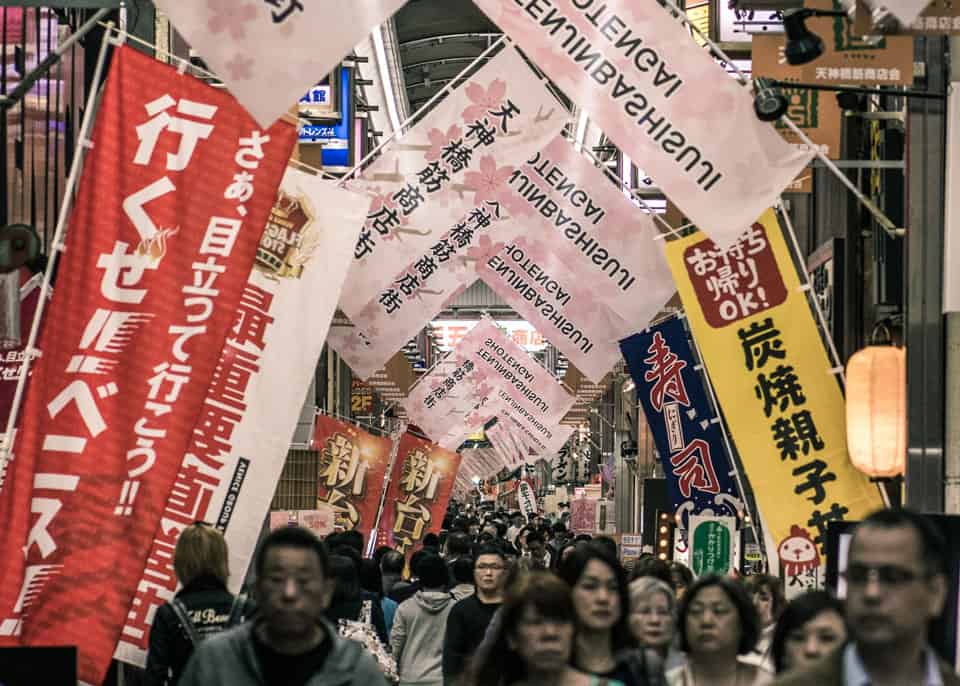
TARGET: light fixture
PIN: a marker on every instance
(769, 103)
(802, 44)
(877, 410)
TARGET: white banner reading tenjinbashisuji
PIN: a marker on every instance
(663, 100)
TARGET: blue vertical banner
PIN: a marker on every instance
(690, 444)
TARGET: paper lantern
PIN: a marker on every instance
(877, 410)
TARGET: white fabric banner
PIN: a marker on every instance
(663, 100)
(269, 53)
(300, 268)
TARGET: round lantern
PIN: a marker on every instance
(877, 410)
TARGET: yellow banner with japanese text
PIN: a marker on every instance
(772, 375)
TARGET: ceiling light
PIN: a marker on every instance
(802, 44)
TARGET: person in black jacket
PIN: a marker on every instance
(349, 598)
(201, 608)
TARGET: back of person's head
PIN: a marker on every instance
(370, 578)
(347, 551)
(344, 572)
(458, 543)
(534, 536)
(559, 528)
(433, 572)
(463, 570)
(201, 551)
(737, 594)
(498, 663)
(431, 542)
(501, 529)
(292, 537)
(795, 614)
(380, 552)
(392, 563)
(608, 543)
(415, 561)
(582, 537)
(650, 566)
(933, 546)
(572, 568)
(354, 539)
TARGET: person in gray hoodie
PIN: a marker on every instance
(418, 626)
(290, 642)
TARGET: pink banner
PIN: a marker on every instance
(511, 454)
(636, 69)
(270, 52)
(481, 463)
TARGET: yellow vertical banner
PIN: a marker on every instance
(772, 376)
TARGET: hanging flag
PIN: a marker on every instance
(441, 201)
(509, 452)
(686, 431)
(171, 206)
(773, 380)
(420, 485)
(257, 389)
(353, 464)
(270, 52)
(635, 69)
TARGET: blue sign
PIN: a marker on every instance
(698, 471)
(336, 137)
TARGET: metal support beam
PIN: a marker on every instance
(926, 126)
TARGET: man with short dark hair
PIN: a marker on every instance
(469, 618)
(536, 556)
(419, 623)
(290, 642)
(897, 583)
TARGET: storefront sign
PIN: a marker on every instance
(684, 427)
(171, 206)
(711, 544)
(634, 68)
(756, 331)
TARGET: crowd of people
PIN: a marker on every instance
(499, 601)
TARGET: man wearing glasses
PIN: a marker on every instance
(897, 582)
(468, 620)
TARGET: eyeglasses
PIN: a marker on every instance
(885, 575)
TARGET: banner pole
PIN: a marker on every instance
(56, 247)
(884, 221)
(375, 531)
(423, 108)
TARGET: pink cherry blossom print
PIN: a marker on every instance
(240, 67)
(225, 15)
(439, 140)
(489, 182)
(484, 99)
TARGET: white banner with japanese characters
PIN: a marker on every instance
(258, 388)
(270, 52)
(663, 100)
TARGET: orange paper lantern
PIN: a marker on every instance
(877, 410)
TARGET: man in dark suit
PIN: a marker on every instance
(897, 583)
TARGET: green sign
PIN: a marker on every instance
(711, 550)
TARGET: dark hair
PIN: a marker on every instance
(392, 563)
(415, 561)
(607, 542)
(582, 537)
(352, 538)
(747, 613)
(458, 543)
(370, 578)
(292, 537)
(558, 559)
(686, 576)
(344, 572)
(652, 566)
(534, 536)
(501, 528)
(798, 612)
(756, 582)
(496, 663)
(380, 552)
(571, 570)
(347, 551)
(463, 570)
(489, 549)
(559, 528)
(431, 541)
(933, 546)
(432, 572)
(486, 537)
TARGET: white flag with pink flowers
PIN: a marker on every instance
(663, 100)
(270, 52)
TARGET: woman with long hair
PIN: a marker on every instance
(717, 623)
(810, 627)
(604, 645)
(532, 642)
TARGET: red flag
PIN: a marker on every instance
(352, 466)
(171, 205)
(420, 485)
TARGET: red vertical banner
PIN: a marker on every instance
(421, 482)
(171, 204)
(353, 464)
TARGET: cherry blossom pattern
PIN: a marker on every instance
(489, 184)
(483, 99)
(240, 67)
(439, 140)
(225, 15)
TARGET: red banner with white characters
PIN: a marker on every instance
(421, 482)
(353, 464)
(173, 199)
